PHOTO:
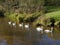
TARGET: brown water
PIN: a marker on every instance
(10, 35)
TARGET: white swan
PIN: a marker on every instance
(47, 31)
(9, 22)
(14, 24)
(26, 26)
(39, 29)
(21, 25)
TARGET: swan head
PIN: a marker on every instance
(52, 28)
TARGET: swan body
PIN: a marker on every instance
(21, 25)
(39, 29)
(13, 24)
(47, 31)
(26, 26)
(9, 22)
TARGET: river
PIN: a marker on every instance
(10, 35)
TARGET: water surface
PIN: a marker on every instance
(10, 35)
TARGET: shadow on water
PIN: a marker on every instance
(2, 14)
(15, 36)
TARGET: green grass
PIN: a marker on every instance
(25, 16)
(52, 8)
(53, 12)
(55, 15)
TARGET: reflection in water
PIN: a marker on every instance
(46, 41)
(10, 35)
(3, 42)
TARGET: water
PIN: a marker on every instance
(10, 35)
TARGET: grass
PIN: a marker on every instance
(52, 8)
(55, 15)
(25, 16)
(53, 12)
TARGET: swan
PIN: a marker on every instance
(39, 29)
(47, 31)
(26, 26)
(21, 25)
(14, 24)
(9, 22)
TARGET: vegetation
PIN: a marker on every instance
(32, 11)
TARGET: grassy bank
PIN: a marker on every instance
(23, 17)
(34, 18)
(53, 12)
